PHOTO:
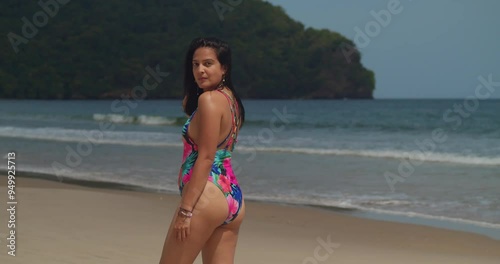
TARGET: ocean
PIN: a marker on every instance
(433, 160)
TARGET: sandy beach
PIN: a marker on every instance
(64, 223)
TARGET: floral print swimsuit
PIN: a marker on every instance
(221, 173)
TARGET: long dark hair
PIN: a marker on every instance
(223, 52)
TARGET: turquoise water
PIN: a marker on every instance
(410, 158)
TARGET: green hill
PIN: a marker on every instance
(100, 49)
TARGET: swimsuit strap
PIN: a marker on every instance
(235, 122)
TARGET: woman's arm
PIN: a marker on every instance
(209, 116)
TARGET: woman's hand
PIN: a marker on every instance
(182, 225)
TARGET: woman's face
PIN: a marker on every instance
(207, 69)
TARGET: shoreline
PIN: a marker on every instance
(67, 223)
(436, 222)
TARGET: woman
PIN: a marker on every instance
(211, 208)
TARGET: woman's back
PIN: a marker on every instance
(222, 173)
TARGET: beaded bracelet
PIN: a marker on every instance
(185, 213)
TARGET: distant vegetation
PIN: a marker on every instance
(100, 49)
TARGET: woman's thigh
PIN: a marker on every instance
(209, 213)
(221, 246)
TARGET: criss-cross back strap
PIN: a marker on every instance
(235, 120)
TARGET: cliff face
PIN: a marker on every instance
(102, 49)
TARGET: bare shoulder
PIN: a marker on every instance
(210, 100)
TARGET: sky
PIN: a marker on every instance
(427, 49)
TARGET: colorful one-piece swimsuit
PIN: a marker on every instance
(221, 173)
